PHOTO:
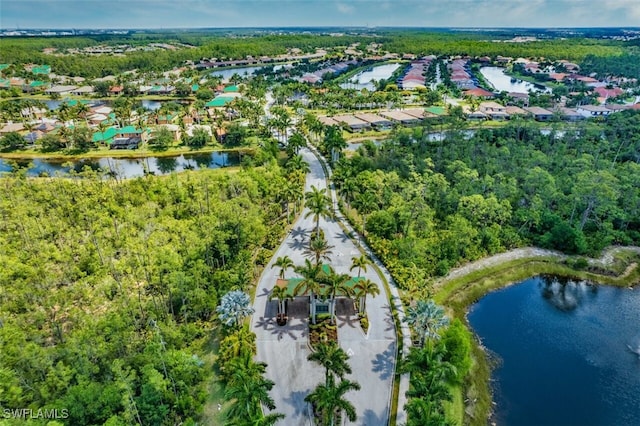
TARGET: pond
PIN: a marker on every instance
(364, 79)
(567, 352)
(144, 103)
(126, 167)
(227, 73)
(502, 82)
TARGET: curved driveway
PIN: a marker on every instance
(285, 349)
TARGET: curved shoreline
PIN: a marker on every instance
(125, 154)
(468, 283)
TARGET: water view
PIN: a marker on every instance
(502, 82)
(567, 352)
(144, 103)
(125, 167)
(227, 73)
(365, 79)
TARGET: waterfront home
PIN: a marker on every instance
(400, 117)
(375, 120)
(352, 123)
(539, 114)
(591, 111)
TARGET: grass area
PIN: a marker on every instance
(211, 415)
(454, 409)
(457, 294)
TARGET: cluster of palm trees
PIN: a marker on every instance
(322, 281)
(328, 399)
(429, 366)
(245, 384)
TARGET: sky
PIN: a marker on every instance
(296, 13)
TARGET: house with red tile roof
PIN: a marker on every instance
(603, 92)
(478, 93)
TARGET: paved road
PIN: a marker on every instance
(285, 349)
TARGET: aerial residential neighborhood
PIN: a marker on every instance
(319, 213)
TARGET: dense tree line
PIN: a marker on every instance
(428, 203)
(108, 290)
(423, 43)
(29, 50)
(625, 65)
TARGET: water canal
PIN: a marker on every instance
(365, 79)
(502, 82)
(566, 352)
(124, 167)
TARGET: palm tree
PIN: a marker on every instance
(363, 288)
(334, 142)
(333, 284)
(332, 358)
(318, 248)
(328, 400)
(284, 263)
(296, 141)
(260, 420)
(280, 293)
(248, 397)
(318, 202)
(234, 307)
(365, 203)
(311, 276)
(296, 162)
(427, 319)
(360, 263)
(243, 367)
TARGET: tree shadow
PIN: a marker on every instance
(346, 313)
(344, 236)
(388, 319)
(265, 323)
(383, 363)
(300, 232)
(371, 418)
(293, 331)
(296, 400)
(297, 245)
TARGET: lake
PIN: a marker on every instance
(227, 73)
(144, 103)
(364, 79)
(564, 352)
(127, 167)
(502, 82)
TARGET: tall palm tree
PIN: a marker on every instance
(296, 162)
(243, 367)
(360, 263)
(364, 288)
(311, 276)
(328, 400)
(332, 358)
(365, 203)
(334, 142)
(248, 397)
(318, 248)
(318, 203)
(296, 141)
(260, 420)
(284, 263)
(280, 293)
(333, 284)
(427, 319)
